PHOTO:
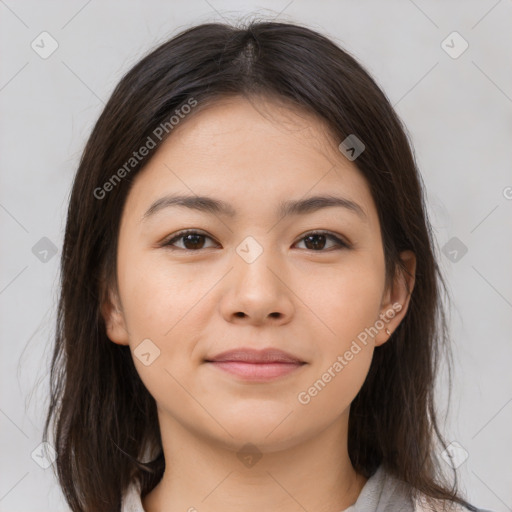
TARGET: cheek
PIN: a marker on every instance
(157, 295)
(335, 385)
(347, 304)
(158, 302)
(345, 300)
(165, 303)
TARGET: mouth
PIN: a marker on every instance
(256, 365)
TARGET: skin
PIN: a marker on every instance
(310, 302)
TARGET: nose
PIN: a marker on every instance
(257, 293)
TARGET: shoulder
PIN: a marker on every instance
(421, 504)
(394, 492)
(382, 490)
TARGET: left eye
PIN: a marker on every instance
(194, 241)
(318, 240)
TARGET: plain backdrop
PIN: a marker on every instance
(457, 108)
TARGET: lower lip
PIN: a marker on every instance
(257, 371)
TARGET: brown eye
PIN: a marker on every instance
(317, 241)
(192, 241)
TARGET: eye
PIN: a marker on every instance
(194, 241)
(317, 241)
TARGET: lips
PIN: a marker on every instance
(246, 355)
(256, 365)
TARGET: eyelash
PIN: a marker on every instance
(168, 244)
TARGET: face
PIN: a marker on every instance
(310, 283)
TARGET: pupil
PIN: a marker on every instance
(194, 241)
(316, 245)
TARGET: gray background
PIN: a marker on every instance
(457, 111)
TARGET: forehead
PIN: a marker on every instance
(248, 124)
(252, 154)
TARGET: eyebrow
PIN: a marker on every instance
(218, 207)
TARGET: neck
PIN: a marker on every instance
(207, 475)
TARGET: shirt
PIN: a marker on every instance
(381, 493)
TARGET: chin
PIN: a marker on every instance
(269, 433)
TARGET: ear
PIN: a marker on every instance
(395, 300)
(113, 315)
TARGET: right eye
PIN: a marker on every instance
(191, 238)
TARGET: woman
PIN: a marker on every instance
(250, 315)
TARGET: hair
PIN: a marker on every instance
(103, 419)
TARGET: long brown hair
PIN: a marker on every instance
(103, 419)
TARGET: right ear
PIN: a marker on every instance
(113, 315)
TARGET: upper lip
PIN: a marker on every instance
(248, 355)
